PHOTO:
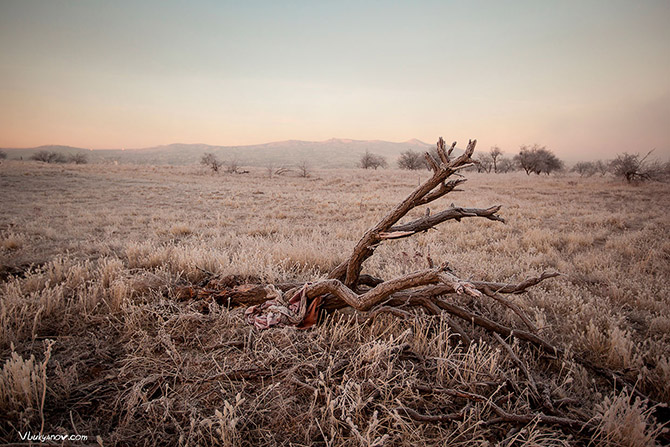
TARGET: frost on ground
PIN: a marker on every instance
(91, 257)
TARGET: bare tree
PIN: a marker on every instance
(505, 165)
(303, 169)
(602, 167)
(538, 159)
(369, 160)
(549, 163)
(584, 168)
(484, 163)
(634, 167)
(44, 156)
(411, 160)
(77, 158)
(48, 157)
(495, 152)
(208, 159)
(41, 156)
(525, 159)
(232, 165)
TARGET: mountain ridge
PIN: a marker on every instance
(331, 153)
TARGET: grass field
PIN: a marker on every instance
(93, 341)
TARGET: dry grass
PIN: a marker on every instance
(90, 256)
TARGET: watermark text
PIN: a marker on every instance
(29, 436)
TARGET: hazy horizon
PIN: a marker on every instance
(194, 143)
(587, 79)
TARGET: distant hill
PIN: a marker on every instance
(333, 153)
(26, 153)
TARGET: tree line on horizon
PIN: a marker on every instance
(534, 159)
(537, 159)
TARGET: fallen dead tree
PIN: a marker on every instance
(297, 303)
(435, 290)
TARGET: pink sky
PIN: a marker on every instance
(588, 79)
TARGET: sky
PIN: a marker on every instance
(588, 79)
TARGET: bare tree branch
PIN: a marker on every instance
(364, 248)
(427, 222)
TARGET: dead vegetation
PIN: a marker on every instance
(137, 362)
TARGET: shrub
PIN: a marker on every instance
(634, 167)
(232, 165)
(303, 169)
(602, 167)
(78, 159)
(538, 159)
(584, 168)
(411, 160)
(374, 161)
(505, 165)
(208, 159)
(48, 157)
